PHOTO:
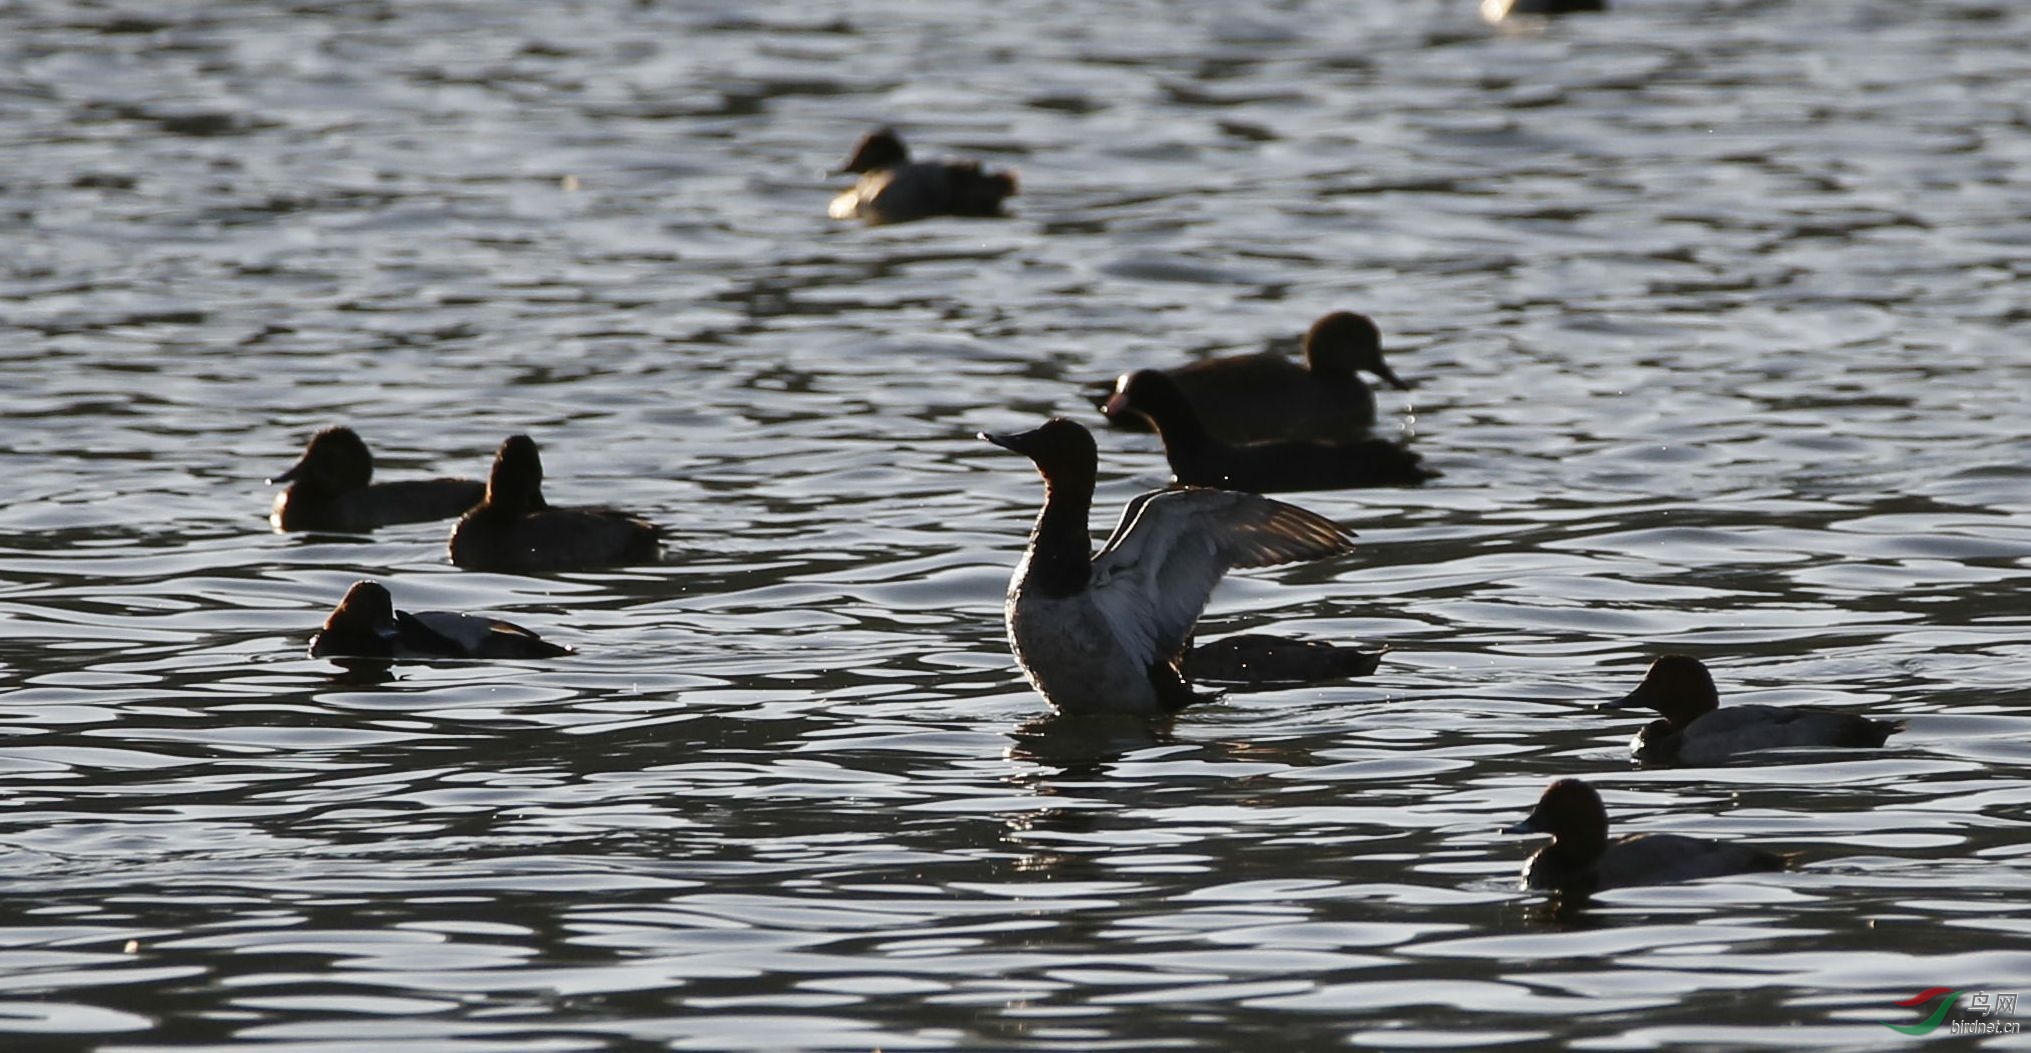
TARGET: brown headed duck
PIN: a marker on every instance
(1199, 459)
(516, 531)
(332, 489)
(1695, 729)
(894, 189)
(1497, 10)
(1581, 859)
(1107, 633)
(1265, 396)
(366, 624)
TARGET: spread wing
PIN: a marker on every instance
(1172, 546)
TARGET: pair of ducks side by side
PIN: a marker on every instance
(504, 524)
(894, 189)
(1261, 423)
(1693, 729)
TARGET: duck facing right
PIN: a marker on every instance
(1264, 396)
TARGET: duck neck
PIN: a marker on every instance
(515, 502)
(1578, 847)
(1178, 425)
(1061, 552)
(1681, 712)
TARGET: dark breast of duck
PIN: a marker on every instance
(554, 539)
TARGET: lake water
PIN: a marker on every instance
(1718, 316)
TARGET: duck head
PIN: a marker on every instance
(516, 481)
(363, 623)
(336, 459)
(1340, 343)
(1677, 687)
(1157, 398)
(1063, 450)
(877, 150)
(1572, 813)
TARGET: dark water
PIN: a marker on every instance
(1719, 316)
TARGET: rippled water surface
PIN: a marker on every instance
(1718, 316)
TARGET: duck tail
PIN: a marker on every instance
(1393, 464)
(978, 193)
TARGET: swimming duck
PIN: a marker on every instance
(515, 530)
(365, 624)
(1262, 660)
(1199, 459)
(1695, 730)
(894, 189)
(1581, 859)
(1264, 396)
(1497, 10)
(1107, 633)
(332, 488)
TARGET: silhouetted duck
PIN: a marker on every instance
(1695, 729)
(366, 624)
(332, 488)
(1262, 660)
(1199, 459)
(1266, 396)
(894, 189)
(1497, 10)
(514, 530)
(1581, 859)
(1107, 633)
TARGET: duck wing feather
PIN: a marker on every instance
(1171, 547)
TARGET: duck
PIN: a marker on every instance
(1694, 729)
(894, 189)
(1581, 859)
(1497, 10)
(1266, 396)
(365, 624)
(331, 489)
(1197, 458)
(1264, 660)
(1106, 633)
(514, 530)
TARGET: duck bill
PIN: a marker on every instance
(288, 476)
(1017, 442)
(1637, 699)
(1117, 407)
(1527, 826)
(1389, 376)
